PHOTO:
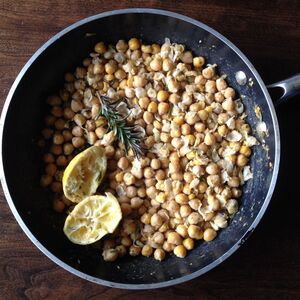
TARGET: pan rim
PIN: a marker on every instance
(179, 279)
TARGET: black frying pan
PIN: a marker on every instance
(21, 167)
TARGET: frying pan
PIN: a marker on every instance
(21, 167)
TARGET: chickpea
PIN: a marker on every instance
(156, 64)
(61, 161)
(188, 243)
(208, 72)
(177, 143)
(98, 69)
(100, 48)
(50, 120)
(155, 164)
(174, 167)
(185, 129)
(209, 234)
(134, 250)
(146, 49)
(59, 124)
(110, 254)
(180, 251)
(234, 182)
(229, 93)
(152, 107)
(144, 102)
(200, 81)
(232, 206)
(121, 249)
(78, 142)
(209, 139)
(160, 175)
(182, 230)
(242, 160)
(195, 232)
(198, 62)
(77, 131)
(76, 106)
(181, 198)
(159, 254)
(156, 220)
(121, 46)
(110, 67)
(199, 127)
(151, 192)
(213, 180)
(109, 244)
(67, 134)
(192, 118)
(145, 161)
(123, 163)
(54, 100)
(131, 191)
(56, 187)
(48, 158)
(162, 96)
(163, 108)
(129, 179)
(68, 113)
(56, 149)
(219, 97)
(158, 238)
(149, 172)
(223, 130)
(174, 238)
(245, 150)
(79, 119)
(188, 177)
(213, 203)
(46, 180)
(221, 84)
(210, 86)
(203, 115)
(174, 98)
(147, 250)
(58, 205)
(100, 132)
(126, 241)
(167, 65)
(168, 247)
(148, 117)
(141, 192)
(146, 218)
(126, 209)
(212, 168)
(194, 218)
(185, 211)
(57, 111)
(134, 44)
(119, 177)
(228, 104)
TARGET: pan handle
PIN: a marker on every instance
(290, 87)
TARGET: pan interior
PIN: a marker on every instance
(23, 163)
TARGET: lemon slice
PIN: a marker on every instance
(84, 173)
(92, 218)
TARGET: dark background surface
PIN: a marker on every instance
(267, 266)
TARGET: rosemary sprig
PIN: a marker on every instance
(129, 135)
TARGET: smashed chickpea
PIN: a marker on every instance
(185, 187)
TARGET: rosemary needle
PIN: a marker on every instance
(129, 135)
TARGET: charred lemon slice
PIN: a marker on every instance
(92, 218)
(84, 173)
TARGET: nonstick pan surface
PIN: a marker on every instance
(21, 167)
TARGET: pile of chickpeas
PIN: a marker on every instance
(186, 185)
